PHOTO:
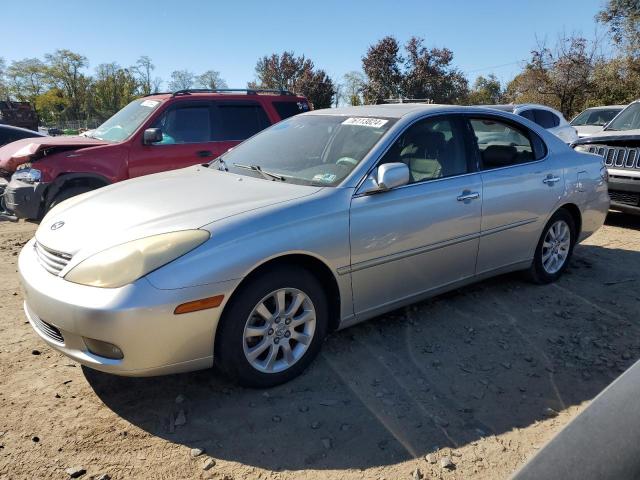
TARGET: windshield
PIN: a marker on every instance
(308, 149)
(627, 119)
(595, 116)
(126, 121)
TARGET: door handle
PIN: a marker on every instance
(550, 180)
(468, 195)
(204, 153)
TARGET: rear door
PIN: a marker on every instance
(520, 188)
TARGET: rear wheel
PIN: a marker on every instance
(272, 328)
(554, 249)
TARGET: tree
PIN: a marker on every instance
(560, 76)
(622, 17)
(4, 89)
(211, 80)
(423, 74)
(50, 105)
(113, 87)
(143, 70)
(429, 74)
(26, 79)
(181, 80)
(485, 91)
(353, 84)
(298, 74)
(65, 72)
(381, 65)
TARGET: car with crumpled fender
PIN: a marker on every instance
(317, 223)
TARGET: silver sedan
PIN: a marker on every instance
(319, 222)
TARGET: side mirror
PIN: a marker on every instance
(386, 177)
(152, 135)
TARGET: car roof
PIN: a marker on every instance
(231, 93)
(603, 107)
(399, 110)
(20, 129)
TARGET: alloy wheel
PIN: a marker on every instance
(556, 247)
(279, 330)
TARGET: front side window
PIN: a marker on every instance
(126, 121)
(308, 149)
(185, 124)
(501, 144)
(432, 148)
(239, 121)
(628, 119)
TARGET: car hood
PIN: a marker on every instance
(613, 137)
(586, 130)
(165, 202)
(28, 149)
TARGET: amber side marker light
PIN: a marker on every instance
(202, 304)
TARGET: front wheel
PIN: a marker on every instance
(272, 328)
(554, 248)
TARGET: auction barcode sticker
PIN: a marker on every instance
(149, 103)
(365, 122)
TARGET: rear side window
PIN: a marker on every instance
(239, 120)
(289, 109)
(503, 144)
(546, 119)
(528, 114)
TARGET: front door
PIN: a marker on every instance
(415, 238)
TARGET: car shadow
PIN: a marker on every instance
(476, 362)
(624, 220)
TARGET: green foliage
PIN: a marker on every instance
(286, 71)
(622, 17)
(485, 91)
(425, 74)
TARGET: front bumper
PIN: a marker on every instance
(138, 318)
(624, 190)
(23, 199)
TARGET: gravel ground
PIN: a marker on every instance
(466, 385)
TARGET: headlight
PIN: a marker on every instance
(581, 148)
(125, 263)
(27, 175)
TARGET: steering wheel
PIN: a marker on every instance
(347, 161)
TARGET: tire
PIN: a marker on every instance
(67, 193)
(248, 330)
(544, 269)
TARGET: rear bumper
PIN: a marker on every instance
(138, 318)
(23, 199)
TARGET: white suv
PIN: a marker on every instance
(544, 116)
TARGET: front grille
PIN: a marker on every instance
(626, 198)
(48, 330)
(617, 157)
(52, 260)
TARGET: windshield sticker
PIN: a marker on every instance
(365, 122)
(149, 103)
(324, 178)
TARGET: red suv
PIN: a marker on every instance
(152, 134)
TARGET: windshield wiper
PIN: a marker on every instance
(221, 165)
(264, 173)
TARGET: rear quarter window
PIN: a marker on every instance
(546, 119)
(289, 109)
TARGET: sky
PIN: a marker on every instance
(486, 36)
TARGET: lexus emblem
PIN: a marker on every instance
(57, 225)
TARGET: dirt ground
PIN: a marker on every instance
(483, 376)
